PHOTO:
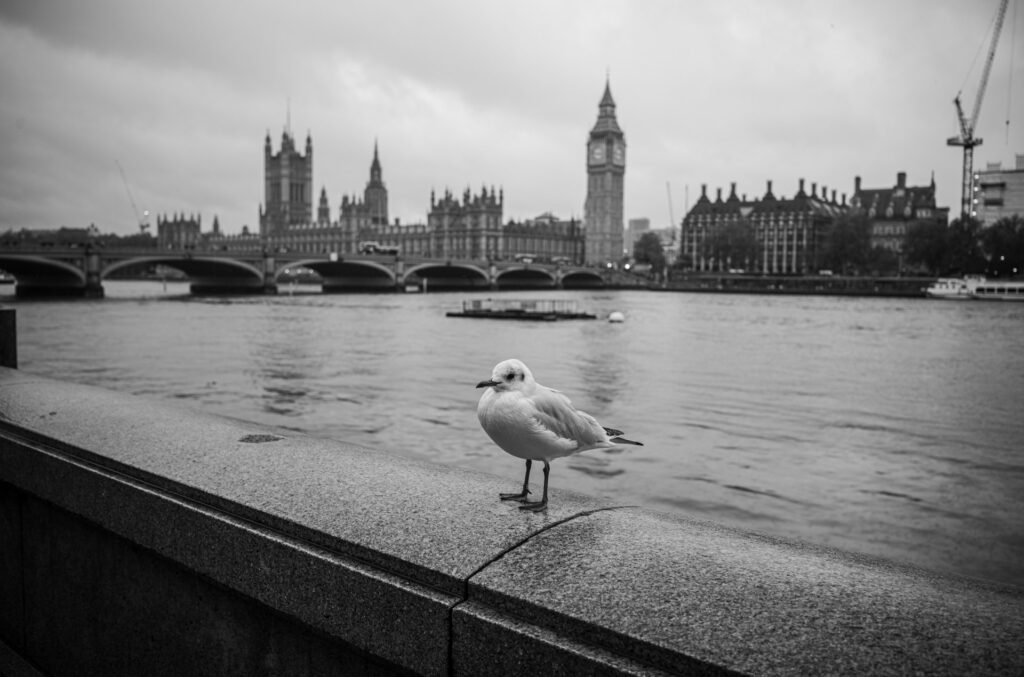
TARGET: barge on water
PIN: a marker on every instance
(543, 310)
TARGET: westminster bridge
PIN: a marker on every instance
(80, 271)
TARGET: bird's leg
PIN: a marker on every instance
(542, 504)
(526, 486)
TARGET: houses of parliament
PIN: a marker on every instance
(470, 225)
(789, 232)
(466, 226)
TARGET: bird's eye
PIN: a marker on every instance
(509, 376)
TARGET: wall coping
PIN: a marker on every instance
(462, 583)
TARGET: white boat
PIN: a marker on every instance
(999, 290)
(952, 288)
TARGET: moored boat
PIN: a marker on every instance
(999, 290)
(950, 288)
(545, 310)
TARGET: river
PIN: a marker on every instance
(890, 427)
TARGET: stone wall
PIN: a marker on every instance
(141, 538)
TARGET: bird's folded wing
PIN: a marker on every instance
(555, 414)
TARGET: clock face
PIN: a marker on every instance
(619, 154)
(597, 153)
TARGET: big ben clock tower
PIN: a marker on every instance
(606, 169)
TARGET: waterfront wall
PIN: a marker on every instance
(141, 538)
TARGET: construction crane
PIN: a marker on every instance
(143, 222)
(671, 214)
(966, 137)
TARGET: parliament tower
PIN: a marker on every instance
(606, 169)
(288, 185)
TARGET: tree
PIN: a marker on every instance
(964, 247)
(732, 243)
(1003, 246)
(647, 249)
(926, 244)
(847, 244)
(882, 261)
(946, 249)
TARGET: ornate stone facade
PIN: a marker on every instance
(180, 231)
(606, 169)
(288, 186)
(470, 229)
(788, 232)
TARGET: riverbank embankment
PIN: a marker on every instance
(142, 537)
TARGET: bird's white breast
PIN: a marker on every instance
(509, 418)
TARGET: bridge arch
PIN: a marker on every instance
(449, 275)
(525, 277)
(207, 274)
(582, 278)
(347, 275)
(44, 276)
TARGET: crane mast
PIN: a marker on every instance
(966, 137)
(143, 223)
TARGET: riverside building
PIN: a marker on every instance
(892, 211)
(787, 231)
(998, 192)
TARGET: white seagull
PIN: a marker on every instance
(534, 422)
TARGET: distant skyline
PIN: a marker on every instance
(471, 94)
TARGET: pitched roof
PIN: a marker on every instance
(900, 201)
(606, 122)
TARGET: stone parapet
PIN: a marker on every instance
(136, 536)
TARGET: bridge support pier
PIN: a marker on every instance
(269, 278)
(93, 285)
(399, 274)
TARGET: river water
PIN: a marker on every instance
(889, 427)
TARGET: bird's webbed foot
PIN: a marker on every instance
(535, 506)
(521, 496)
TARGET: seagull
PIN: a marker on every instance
(534, 422)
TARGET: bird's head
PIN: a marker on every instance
(509, 375)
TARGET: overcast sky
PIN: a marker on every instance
(460, 94)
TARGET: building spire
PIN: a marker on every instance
(607, 99)
(375, 173)
(606, 122)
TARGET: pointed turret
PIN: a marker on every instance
(375, 171)
(606, 121)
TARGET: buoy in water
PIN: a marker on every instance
(616, 316)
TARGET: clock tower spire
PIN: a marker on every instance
(606, 169)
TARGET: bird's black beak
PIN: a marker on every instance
(488, 382)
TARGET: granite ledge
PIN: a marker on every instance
(687, 596)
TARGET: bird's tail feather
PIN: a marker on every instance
(619, 439)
